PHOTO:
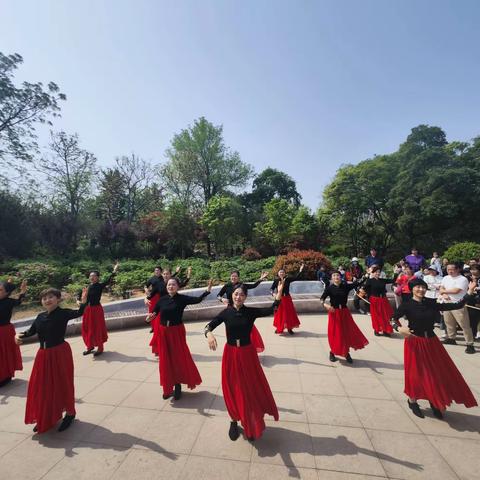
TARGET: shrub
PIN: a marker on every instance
(462, 252)
(251, 254)
(291, 263)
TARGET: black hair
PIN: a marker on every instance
(376, 268)
(417, 282)
(51, 291)
(96, 272)
(159, 267)
(8, 286)
(235, 271)
(175, 279)
(243, 288)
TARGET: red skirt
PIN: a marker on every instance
(381, 312)
(153, 302)
(245, 389)
(94, 330)
(286, 315)
(154, 341)
(430, 374)
(343, 332)
(257, 340)
(176, 364)
(50, 389)
(10, 356)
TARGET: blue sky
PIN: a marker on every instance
(302, 86)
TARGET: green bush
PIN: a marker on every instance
(462, 252)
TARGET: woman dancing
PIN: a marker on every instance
(228, 290)
(50, 388)
(430, 373)
(343, 332)
(245, 388)
(286, 315)
(10, 356)
(94, 329)
(176, 365)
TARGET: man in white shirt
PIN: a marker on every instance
(453, 288)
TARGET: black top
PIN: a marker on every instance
(95, 290)
(171, 308)
(7, 305)
(375, 287)
(286, 284)
(421, 316)
(230, 287)
(51, 327)
(239, 323)
(338, 294)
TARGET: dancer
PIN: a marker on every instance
(94, 329)
(51, 388)
(380, 309)
(158, 290)
(343, 332)
(430, 373)
(228, 289)
(286, 315)
(10, 357)
(245, 388)
(176, 365)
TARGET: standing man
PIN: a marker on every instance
(453, 289)
(415, 260)
(374, 259)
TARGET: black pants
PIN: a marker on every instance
(474, 316)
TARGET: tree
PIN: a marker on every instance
(69, 171)
(272, 183)
(21, 110)
(200, 162)
(222, 220)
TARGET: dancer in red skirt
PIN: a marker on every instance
(228, 289)
(286, 315)
(343, 332)
(380, 308)
(245, 388)
(157, 289)
(430, 373)
(94, 330)
(176, 365)
(50, 388)
(10, 357)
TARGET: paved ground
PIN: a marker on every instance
(336, 421)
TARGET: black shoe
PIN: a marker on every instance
(470, 349)
(436, 412)
(166, 396)
(376, 333)
(66, 422)
(387, 334)
(348, 358)
(233, 432)
(98, 353)
(332, 357)
(251, 439)
(89, 351)
(449, 341)
(5, 381)
(290, 331)
(178, 391)
(151, 330)
(35, 429)
(415, 408)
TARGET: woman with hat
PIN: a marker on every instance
(430, 373)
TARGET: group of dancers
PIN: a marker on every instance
(430, 374)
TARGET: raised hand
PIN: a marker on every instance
(23, 287)
(302, 266)
(115, 267)
(83, 298)
(209, 285)
(177, 270)
(264, 275)
(189, 272)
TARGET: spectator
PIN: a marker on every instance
(323, 275)
(402, 281)
(453, 289)
(374, 259)
(473, 313)
(341, 270)
(435, 261)
(415, 260)
(444, 266)
(355, 271)
(434, 281)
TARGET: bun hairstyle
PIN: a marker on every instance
(175, 279)
(8, 286)
(243, 288)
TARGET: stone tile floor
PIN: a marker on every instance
(337, 421)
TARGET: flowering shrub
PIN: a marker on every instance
(291, 263)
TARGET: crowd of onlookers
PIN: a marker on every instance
(446, 281)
